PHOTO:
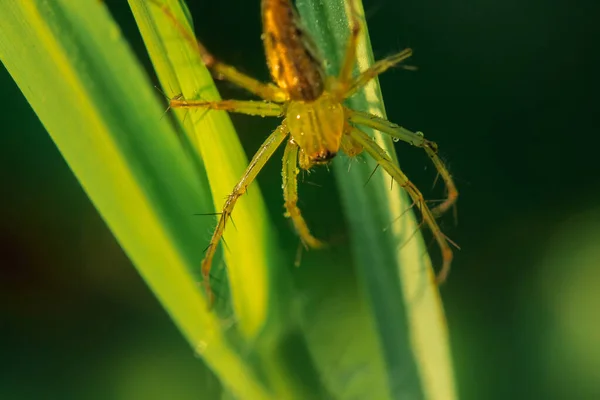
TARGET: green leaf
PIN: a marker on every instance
(76, 71)
(398, 279)
(253, 265)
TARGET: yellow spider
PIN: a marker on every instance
(316, 125)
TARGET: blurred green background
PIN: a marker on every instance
(506, 88)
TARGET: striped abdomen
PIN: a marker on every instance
(291, 54)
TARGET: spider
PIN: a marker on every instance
(316, 125)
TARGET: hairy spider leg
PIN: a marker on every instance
(250, 107)
(256, 164)
(346, 86)
(347, 66)
(383, 159)
(415, 139)
(349, 145)
(378, 68)
(220, 70)
(290, 196)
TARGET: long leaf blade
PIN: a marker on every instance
(260, 287)
(404, 300)
(252, 265)
(71, 63)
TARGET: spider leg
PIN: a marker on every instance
(348, 144)
(416, 139)
(383, 159)
(345, 86)
(290, 195)
(344, 78)
(259, 108)
(256, 164)
(377, 68)
(219, 69)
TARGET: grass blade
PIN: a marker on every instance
(77, 73)
(253, 266)
(399, 283)
(260, 288)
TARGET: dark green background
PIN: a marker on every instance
(509, 91)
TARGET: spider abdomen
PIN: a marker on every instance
(291, 54)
